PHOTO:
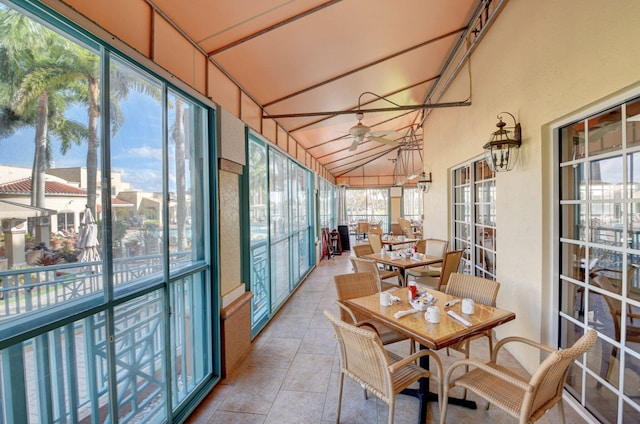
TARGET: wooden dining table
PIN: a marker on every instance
(401, 263)
(391, 242)
(430, 336)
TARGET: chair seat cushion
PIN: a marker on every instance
(494, 389)
(423, 272)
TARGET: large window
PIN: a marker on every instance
(280, 250)
(371, 205)
(474, 223)
(599, 221)
(412, 204)
(105, 301)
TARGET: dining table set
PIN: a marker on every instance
(433, 319)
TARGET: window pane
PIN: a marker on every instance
(140, 358)
(136, 163)
(574, 182)
(278, 194)
(189, 334)
(572, 142)
(186, 134)
(573, 222)
(605, 132)
(606, 178)
(633, 123)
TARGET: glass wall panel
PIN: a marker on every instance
(190, 324)
(86, 232)
(140, 359)
(258, 258)
(605, 132)
(186, 134)
(58, 376)
(136, 163)
(278, 194)
(412, 204)
(598, 221)
(370, 205)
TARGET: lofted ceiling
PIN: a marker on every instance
(308, 56)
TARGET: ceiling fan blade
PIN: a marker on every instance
(354, 145)
(383, 133)
(383, 140)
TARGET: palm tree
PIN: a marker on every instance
(178, 136)
(37, 88)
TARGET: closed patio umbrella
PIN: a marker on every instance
(88, 239)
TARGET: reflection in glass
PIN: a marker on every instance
(605, 133)
(574, 223)
(573, 185)
(606, 178)
(572, 142)
(633, 123)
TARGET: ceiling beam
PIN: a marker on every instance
(272, 27)
(375, 109)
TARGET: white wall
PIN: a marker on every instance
(541, 61)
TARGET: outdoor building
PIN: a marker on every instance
(190, 204)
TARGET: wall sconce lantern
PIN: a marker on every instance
(502, 148)
(424, 183)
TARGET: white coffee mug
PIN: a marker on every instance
(433, 314)
(468, 306)
(385, 299)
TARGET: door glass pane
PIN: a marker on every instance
(572, 146)
(278, 194)
(633, 123)
(136, 163)
(186, 134)
(140, 358)
(605, 132)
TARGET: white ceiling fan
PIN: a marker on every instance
(361, 132)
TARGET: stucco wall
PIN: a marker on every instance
(541, 61)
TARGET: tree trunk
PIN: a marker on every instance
(93, 145)
(181, 201)
(39, 159)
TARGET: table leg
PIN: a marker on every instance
(425, 396)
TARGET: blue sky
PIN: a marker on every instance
(136, 150)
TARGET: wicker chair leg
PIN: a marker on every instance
(340, 384)
(391, 411)
(443, 404)
(561, 412)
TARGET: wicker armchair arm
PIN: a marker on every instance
(489, 370)
(349, 311)
(512, 339)
(411, 358)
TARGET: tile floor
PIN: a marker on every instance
(291, 373)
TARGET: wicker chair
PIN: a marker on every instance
(481, 290)
(432, 247)
(361, 230)
(450, 265)
(350, 286)
(375, 240)
(406, 227)
(369, 265)
(383, 373)
(359, 250)
(526, 400)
